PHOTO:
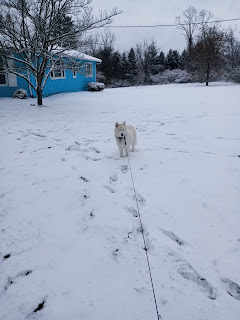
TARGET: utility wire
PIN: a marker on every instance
(170, 25)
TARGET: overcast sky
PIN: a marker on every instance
(148, 12)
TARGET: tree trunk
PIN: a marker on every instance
(39, 96)
(207, 74)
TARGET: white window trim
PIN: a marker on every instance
(74, 73)
(63, 74)
(89, 75)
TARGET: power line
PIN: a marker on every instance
(170, 25)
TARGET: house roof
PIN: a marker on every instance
(77, 54)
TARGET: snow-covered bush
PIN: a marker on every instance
(20, 94)
(234, 75)
(95, 86)
(171, 76)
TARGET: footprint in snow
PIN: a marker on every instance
(140, 199)
(95, 150)
(86, 195)
(232, 288)
(124, 168)
(84, 179)
(189, 273)
(115, 253)
(109, 189)
(173, 237)
(113, 179)
(132, 210)
(12, 280)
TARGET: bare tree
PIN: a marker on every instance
(190, 22)
(30, 38)
(99, 41)
(233, 48)
(208, 52)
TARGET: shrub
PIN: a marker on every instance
(235, 75)
(20, 94)
(96, 86)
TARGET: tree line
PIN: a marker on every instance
(136, 65)
(212, 53)
(34, 35)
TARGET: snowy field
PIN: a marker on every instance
(71, 245)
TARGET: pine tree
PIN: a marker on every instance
(116, 65)
(162, 59)
(176, 59)
(152, 57)
(62, 25)
(183, 58)
(132, 59)
(132, 65)
(125, 66)
(169, 60)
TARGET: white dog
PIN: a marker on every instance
(125, 137)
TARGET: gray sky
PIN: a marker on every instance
(148, 12)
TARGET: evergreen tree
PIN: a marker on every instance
(183, 58)
(162, 59)
(176, 60)
(132, 65)
(132, 60)
(169, 60)
(125, 66)
(62, 25)
(105, 54)
(116, 65)
(152, 58)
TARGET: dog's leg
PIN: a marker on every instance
(127, 150)
(120, 151)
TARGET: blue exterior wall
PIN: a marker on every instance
(68, 84)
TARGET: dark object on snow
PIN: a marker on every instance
(20, 94)
(95, 86)
(7, 256)
(40, 306)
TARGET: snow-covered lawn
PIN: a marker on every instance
(71, 241)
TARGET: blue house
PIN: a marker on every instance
(61, 79)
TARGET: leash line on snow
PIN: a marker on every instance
(144, 240)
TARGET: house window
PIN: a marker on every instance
(3, 80)
(58, 72)
(89, 69)
(74, 74)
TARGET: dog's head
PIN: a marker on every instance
(120, 129)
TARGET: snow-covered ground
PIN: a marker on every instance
(71, 244)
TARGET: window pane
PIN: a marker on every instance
(2, 76)
(1, 63)
(89, 69)
(57, 73)
(2, 79)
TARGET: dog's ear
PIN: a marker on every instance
(116, 125)
(124, 123)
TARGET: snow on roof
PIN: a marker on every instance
(77, 54)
